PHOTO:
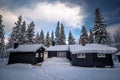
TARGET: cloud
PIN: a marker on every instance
(8, 19)
(53, 12)
(113, 28)
(116, 11)
(72, 16)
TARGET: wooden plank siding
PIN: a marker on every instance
(20, 57)
(119, 58)
(54, 54)
(92, 60)
(26, 57)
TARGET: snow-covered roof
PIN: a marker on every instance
(26, 48)
(118, 53)
(92, 48)
(58, 48)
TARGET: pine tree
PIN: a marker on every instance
(71, 40)
(91, 39)
(37, 39)
(47, 40)
(15, 35)
(99, 29)
(57, 34)
(23, 33)
(30, 33)
(41, 38)
(116, 37)
(83, 35)
(52, 38)
(62, 35)
(2, 32)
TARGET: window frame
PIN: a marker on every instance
(61, 54)
(41, 54)
(101, 55)
(37, 55)
(81, 55)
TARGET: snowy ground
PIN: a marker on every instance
(57, 69)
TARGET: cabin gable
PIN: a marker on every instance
(27, 56)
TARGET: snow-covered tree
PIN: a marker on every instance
(36, 40)
(57, 34)
(52, 41)
(117, 38)
(99, 29)
(41, 38)
(84, 34)
(91, 39)
(15, 35)
(62, 35)
(23, 33)
(30, 33)
(47, 40)
(71, 40)
(2, 32)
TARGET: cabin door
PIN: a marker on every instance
(61, 54)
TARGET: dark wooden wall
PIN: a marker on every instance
(54, 54)
(119, 58)
(92, 60)
(88, 61)
(26, 57)
(102, 62)
(20, 57)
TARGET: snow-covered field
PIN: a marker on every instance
(57, 69)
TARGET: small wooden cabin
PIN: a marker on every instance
(118, 55)
(92, 55)
(61, 51)
(27, 53)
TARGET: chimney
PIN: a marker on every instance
(83, 41)
(15, 45)
(53, 43)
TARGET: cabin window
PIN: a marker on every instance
(37, 55)
(81, 55)
(41, 55)
(100, 55)
(61, 54)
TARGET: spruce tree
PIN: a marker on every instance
(2, 32)
(84, 34)
(30, 33)
(57, 34)
(23, 33)
(47, 40)
(62, 35)
(41, 38)
(71, 40)
(37, 39)
(91, 39)
(15, 35)
(116, 37)
(52, 39)
(99, 29)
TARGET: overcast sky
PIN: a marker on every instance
(72, 13)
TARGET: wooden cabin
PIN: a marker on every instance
(27, 53)
(118, 55)
(92, 55)
(61, 51)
